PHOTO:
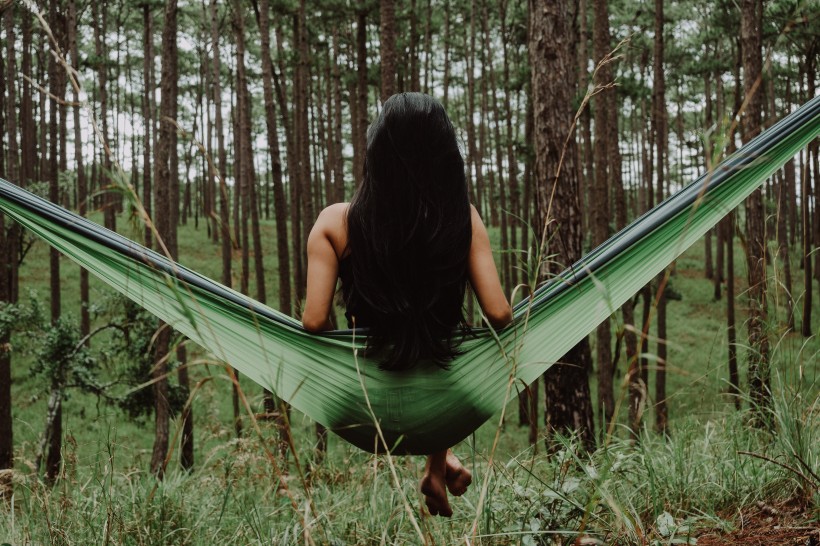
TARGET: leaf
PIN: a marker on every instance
(665, 524)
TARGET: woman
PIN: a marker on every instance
(404, 249)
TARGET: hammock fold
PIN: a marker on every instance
(425, 409)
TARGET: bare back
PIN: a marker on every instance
(327, 244)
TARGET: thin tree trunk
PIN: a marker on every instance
(499, 163)
(758, 359)
(57, 88)
(415, 77)
(474, 159)
(512, 162)
(600, 202)
(163, 197)
(812, 170)
(28, 130)
(728, 224)
(428, 46)
(806, 220)
(361, 117)
(147, 114)
(82, 189)
(279, 205)
(445, 82)
(302, 129)
(710, 269)
(783, 247)
(387, 47)
(99, 13)
(8, 263)
(338, 155)
(586, 152)
(790, 176)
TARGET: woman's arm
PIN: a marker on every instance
(484, 276)
(322, 269)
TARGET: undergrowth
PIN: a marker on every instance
(654, 491)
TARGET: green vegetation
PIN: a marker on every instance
(657, 491)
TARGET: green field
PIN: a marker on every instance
(656, 491)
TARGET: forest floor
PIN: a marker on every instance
(787, 524)
(704, 484)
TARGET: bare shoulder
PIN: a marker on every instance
(332, 223)
(477, 222)
(475, 216)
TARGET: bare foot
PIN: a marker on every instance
(457, 476)
(435, 495)
(433, 485)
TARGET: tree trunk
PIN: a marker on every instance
(499, 163)
(475, 181)
(279, 204)
(552, 43)
(336, 144)
(163, 198)
(387, 48)
(302, 130)
(783, 247)
(57, 88)
(789, 173)
(100, 52)
(147, 114)
(600, 200)
(445, 81)
(812, 172)
(806, 221)
(585, 165)
(758, 356)
(720, 275)
(8, 263)
(28, 130)
(82, 190)
(360, 100)
(512, 162)
(660, 129)
(415, 76)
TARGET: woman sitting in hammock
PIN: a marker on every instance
(404, 249)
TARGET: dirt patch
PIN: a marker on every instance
(765, 525)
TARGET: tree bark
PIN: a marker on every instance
(8, 263)
(279, 205)
(163, 198)
(336, 144)
(301, 126)
(600, 201)
(552, 48)
(57, 88)
(512, 160)
(28, 130)
(100, 15)
(720, 275)
(387, 47)
(82, 188)
(758, 356)
(360, 100)
(660, 129)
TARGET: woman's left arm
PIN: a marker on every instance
(322, 272)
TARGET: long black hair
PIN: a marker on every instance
(409, 234)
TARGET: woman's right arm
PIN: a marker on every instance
(484, 276)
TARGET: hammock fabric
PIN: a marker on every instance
(425, 409)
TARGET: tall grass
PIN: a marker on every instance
(656, 491)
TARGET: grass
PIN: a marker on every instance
(658, 491)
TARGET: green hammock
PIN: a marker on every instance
(425, 409)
